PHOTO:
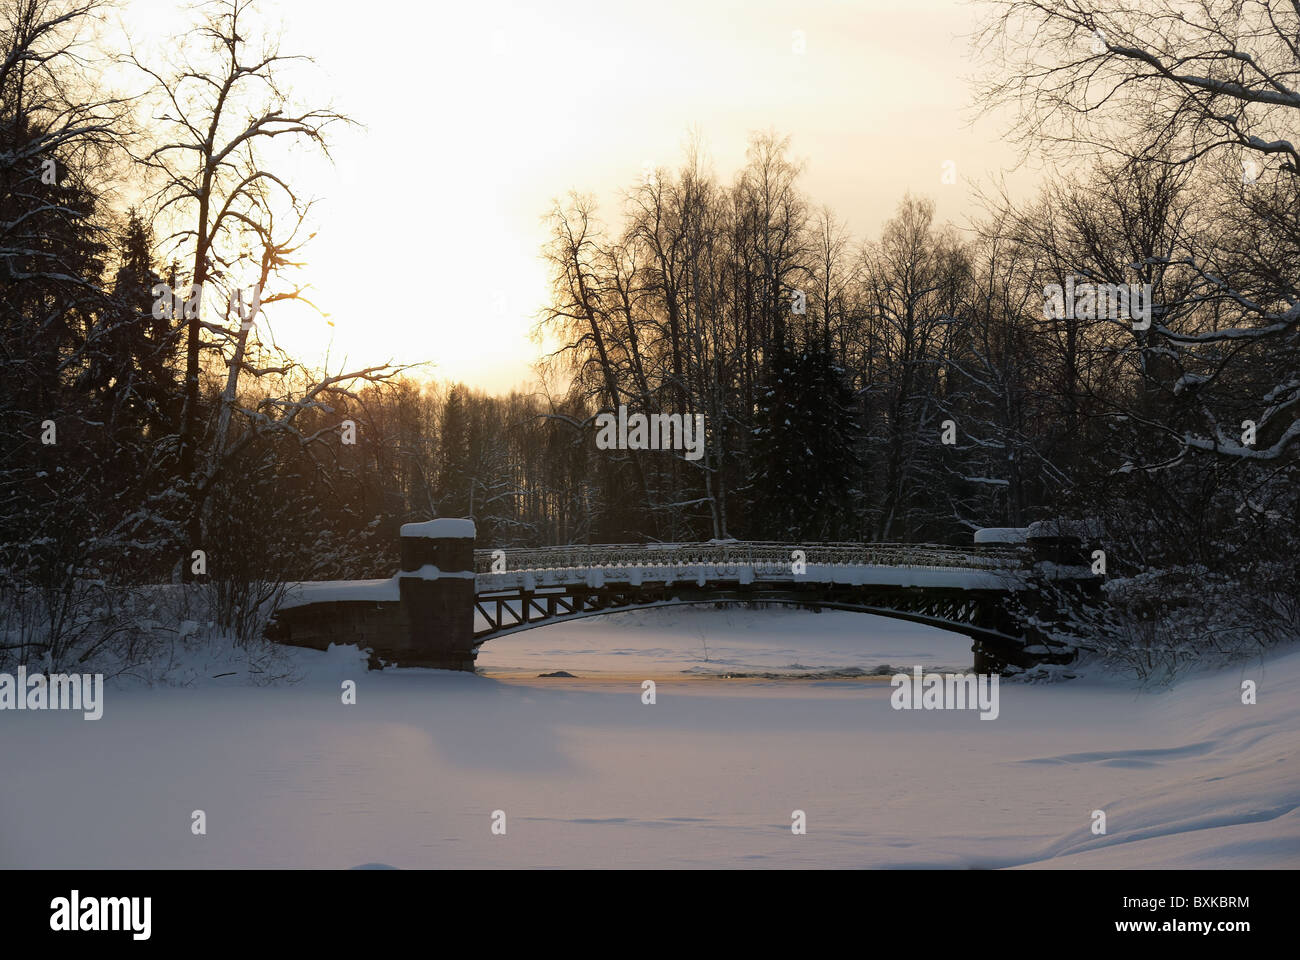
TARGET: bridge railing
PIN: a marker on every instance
(762, 556)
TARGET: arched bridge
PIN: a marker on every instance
(953, 589)
(449, 598)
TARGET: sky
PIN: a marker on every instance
(473, 117)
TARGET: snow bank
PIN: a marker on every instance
(365, 591)
(1001, 535)
(444, 528)
(430, 572)
(340, 591)
(1051, 529)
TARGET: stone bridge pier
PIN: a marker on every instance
(436, 593)
(1058, 556)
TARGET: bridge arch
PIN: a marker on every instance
(967, 629)
(425, 615)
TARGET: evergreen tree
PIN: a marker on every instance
(805, 462)
(143, 347)
(454, 435)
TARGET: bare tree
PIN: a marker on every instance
(1177, 85)
(914, 283)
(218, 110)
(221, 109)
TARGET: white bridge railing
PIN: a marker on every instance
(764, 558)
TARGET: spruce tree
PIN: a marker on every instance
(805, 459)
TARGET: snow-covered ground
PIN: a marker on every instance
(588, 775)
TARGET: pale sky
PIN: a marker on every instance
(477, 114)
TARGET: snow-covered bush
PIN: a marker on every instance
(1156, 625)
(155, 634)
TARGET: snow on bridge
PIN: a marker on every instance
(742, 562)
(920, 565)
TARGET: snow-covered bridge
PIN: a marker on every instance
(448, 599)
(715, 557)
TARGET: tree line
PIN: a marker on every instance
(913, 386)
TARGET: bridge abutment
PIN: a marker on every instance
(1058, 557)
(422, 617)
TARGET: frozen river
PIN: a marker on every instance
(586, 774)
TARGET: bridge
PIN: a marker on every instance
(448, 598)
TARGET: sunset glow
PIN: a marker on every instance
(474, 118)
